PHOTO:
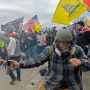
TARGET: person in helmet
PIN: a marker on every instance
(66, 60)
(13, 51)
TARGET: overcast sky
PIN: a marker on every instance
(13, 9)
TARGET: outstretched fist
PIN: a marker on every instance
(75, 62)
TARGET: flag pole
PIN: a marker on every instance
(3, 60)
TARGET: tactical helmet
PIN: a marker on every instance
(63, 35)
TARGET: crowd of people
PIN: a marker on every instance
(22, 46)
(31, 43)
(67, 52)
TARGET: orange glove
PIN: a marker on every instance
(41, 87)
(63, 89)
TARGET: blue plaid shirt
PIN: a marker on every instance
(61, 71)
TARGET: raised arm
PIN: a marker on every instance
(35, 62)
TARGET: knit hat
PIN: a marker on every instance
(81, 23)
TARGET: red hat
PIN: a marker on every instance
(30, 29)
(72, 30)
(11, 34)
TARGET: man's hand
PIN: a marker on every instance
(25, 46)
(30, 38)
(14, 64)
(75, 62)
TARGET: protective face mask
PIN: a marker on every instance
(58, 51)
(65, 50)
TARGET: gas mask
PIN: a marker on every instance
(65, 50)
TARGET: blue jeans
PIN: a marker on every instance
(5, 64)
(33, 51)
(11, 74)
(27, 52)
(23, 50)
(40, 49)
(88, 54)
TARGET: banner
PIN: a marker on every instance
(67, 10)
(32, 23)
(12, 26)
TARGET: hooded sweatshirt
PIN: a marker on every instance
(13, 46)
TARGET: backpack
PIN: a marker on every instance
(51, 53)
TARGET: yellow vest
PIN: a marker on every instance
(2, 43)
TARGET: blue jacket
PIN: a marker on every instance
(61, 71)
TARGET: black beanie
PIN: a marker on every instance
(81, 23)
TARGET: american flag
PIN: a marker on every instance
(21, 22)
(31, 23)
(11, 25)
(14, 25)
(21, 26)
(26, 26)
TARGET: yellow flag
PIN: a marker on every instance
(32, 23)
(36, 27)
(67, 10)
